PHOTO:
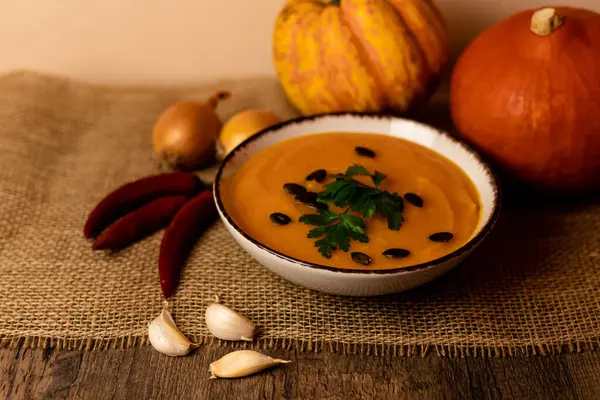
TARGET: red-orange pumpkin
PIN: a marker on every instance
(527, 92)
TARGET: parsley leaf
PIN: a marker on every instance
(356, 169)
(391, 206)
(364, 203)
(341, 192)
(323, 217)
(377, 178)
(335, 230)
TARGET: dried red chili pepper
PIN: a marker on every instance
(137, 193)
(140, 223)
(180, 237)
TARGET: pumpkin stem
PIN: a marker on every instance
(545, 21)
(335, 2)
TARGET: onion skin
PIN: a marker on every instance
(186, 133)
(241, 126)
(530, 100)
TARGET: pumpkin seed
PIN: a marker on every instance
(441, 237)
(396, 253)
(365, 152)
(319, 175)
(294, 189)
(310, 199)
(361, 258)
(280, 219)
(414, 199)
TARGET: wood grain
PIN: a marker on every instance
(143, 373)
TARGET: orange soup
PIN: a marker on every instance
(433, 201)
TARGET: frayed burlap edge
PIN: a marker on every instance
(418, 350)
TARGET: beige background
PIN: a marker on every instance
(178, 41)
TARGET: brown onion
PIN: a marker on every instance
(186, 133)
(241, 126)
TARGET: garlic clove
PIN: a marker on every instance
(227, 324)
(166, 337)
(242, 363)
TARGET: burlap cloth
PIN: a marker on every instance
(533, 286)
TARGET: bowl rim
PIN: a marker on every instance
(465, 248)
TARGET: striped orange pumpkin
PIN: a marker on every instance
(359, 55)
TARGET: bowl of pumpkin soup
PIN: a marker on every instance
(356, 204)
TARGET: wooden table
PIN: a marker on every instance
(142, 373)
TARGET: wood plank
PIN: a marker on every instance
(143, 373)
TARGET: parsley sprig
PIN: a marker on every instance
(334, 229)
(347, 191)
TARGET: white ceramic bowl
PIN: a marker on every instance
(362, 282)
